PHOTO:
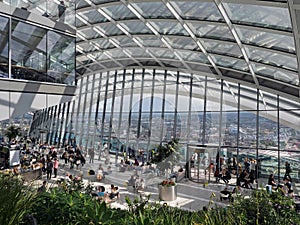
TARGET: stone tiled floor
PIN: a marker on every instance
(191, 195)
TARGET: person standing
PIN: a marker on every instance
(288, 170)
(55, 166)
(61, 11)
(92, 155)
(49, 168)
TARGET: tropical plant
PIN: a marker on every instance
(144, 212)
(167, 156)
(12, 132)
(15, 200)
(258, 209)
(61, 207)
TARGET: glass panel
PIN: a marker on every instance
(87, 46)
(198, 94)
(63, 11)
(83, 4)
(28, 50)
(79, 23)
(151, 41)
(270, 100)
(248, 129)
(103, 43)
(103, 1)
(230, 123)
(61, 57)
(147, 92)
(182, 43)
(284, 76)
(230, 62)
(211, 31)
(289, 129)
(169, 27)
(4, 30)
(183, 95)
(266, 16)
(267, 164)
(213, 95)
(272, 58)
(153, 10)
(286, 103)
(111, 29)
(230, 98)
(89, 33)
(119, 12)
(198, 10)
(267, 39)
(92, 16)
(137, 52)
(222, 47)
(136, 27)
(125, 42)
(248, 98)
(268, 130)
(193, 56)
(163, 53)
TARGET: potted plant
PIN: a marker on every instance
(167, 190)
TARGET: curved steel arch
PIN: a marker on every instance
(264, 74)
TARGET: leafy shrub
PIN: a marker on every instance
(15, 200)
(260, 208)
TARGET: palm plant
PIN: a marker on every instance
(12, 132)
(167, 156)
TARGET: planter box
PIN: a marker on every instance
(167, 193)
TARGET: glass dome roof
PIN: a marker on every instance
(253, 42)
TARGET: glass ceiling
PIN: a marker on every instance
(214, 38)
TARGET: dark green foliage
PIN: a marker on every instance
(259, 209)
(59, 207)
(146, 213)
(15, 200)
(72, 205)
(12, 132)
(167, 156)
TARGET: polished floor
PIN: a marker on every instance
(190, 195)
